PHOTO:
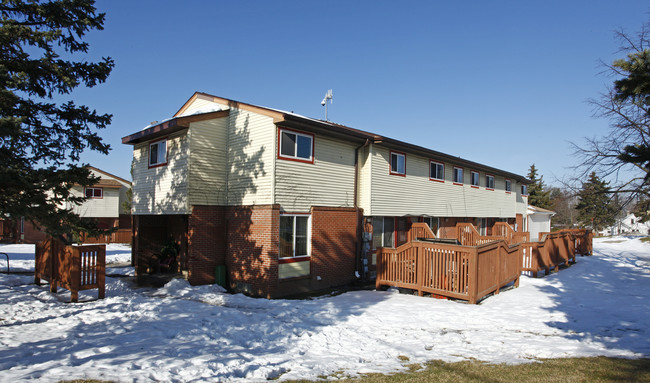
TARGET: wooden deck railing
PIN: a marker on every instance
(554, 249)
(462, 272)
(420, 230)
(467, 235)
(503, 229)
(74, 268)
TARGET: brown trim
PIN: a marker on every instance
(390, 163)
(231, 103)
(297, 159)
(108, 174)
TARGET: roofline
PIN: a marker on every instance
(318, 126)
(108, 174)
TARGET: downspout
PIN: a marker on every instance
(356, 207)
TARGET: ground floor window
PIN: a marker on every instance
(433, 223)
(294, 236)
(383, 232)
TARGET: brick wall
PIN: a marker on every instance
(206, 236)
(252, 249)
(334, 246)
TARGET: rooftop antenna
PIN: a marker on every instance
(328, 96)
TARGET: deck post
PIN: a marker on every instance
(473, 275)
(419, 264)
(380, 268)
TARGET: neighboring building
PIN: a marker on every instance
(106, 204)
(628, 225)
(289, 203)
(539, 221)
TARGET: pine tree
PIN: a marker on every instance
(537, 196)
(596, 207)
(41, 139)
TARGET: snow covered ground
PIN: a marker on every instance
(178, 333)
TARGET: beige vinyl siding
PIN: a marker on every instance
(162, 189)
(415, 194)
(251, 150)
(107, 206)
(207, 165)
(363, 188)
(329, 181)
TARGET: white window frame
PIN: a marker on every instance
(440, 177)
(489, 185)
(474, 178)
(458, 175)
(524, 189)
(508, 185)
(296, 144)
(294, 255)
(161, 156)
(398, 171)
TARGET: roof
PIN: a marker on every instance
(293, 120)
(119, 179)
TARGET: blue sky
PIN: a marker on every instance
(504, 83)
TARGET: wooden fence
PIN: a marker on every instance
(119, 236)
(74, 268)
(461, 272)
(420, 230)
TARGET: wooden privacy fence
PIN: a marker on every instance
(461, 272)
(74, 268)
(119, 236)
(554, 249)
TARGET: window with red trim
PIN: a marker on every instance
(508, 186)
(296, 146)
(489, 181)
(397, 163)
(458, 175)
(436, 171)
(474, 178)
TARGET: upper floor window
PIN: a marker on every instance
(489, 181)
(524, 189)
(296, 146)
(458, 175)
(474, 178)
(436, 171)
(158, 153)
(94, 193)
(508, 185)
(397, 163)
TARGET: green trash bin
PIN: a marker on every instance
(220, 275)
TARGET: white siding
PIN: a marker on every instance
(538, 223)
(415, 194)
(251, 150)
(329, 181)
(207, 177)
(107, 206)
(162, 189)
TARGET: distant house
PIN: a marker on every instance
(285, 203)
(106, 204)
(539, 221)
(630, 224)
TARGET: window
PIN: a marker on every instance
(397, 163)
(383, 232)
(474, 178)
(158, 153)
(489, 181)
(508, 186)
(94, 193)
(458, 175)
(296, 146)
(294, 236)
(436, 171)
(524, 189)
(433, 223)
